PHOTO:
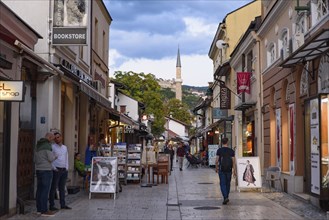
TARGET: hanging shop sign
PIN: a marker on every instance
(70, 22)
(243, 80)
(12, 91)
(218, 113)
(225, 98)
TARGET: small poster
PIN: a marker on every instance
(212, 150)
(248, 172)
(103, 175)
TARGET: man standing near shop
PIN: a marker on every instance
(43, 159)
(60, 171)
(225, 162)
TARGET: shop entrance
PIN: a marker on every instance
(4, 155)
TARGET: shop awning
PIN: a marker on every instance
(244, 106)
(92, 93)
(222, 70)
(128, 121)
(314, 47)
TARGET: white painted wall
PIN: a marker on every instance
(131, 105)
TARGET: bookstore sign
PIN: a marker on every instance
(12, 91)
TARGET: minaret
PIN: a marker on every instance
(178, 80)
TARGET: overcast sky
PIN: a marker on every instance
(145, 35)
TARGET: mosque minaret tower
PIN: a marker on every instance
(178, 80)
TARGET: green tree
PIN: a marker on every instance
(167, 94)
(178, 110)
(144, 88)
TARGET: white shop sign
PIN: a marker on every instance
(12, 91)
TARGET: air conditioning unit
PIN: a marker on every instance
(297, 40)
(97, 85)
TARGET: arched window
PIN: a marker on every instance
(271, 55)
(284, 44)
(303, 87)
(319, 9)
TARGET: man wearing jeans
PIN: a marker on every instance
(60, 171)
(225, 175)
(43, 159)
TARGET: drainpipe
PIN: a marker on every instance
(260, 98)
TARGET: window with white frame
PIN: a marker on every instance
(319, 9)
(300, 25)
(284, 43)
(271, 55)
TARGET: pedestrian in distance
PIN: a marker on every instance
(60, 172)
(43, 159)
(225, 165)
(180, 155)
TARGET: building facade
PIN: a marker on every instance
(66, 83)
(225, 121)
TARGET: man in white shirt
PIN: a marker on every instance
(60, 171)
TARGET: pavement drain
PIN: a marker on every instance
(206, 208)
(174, 204)
(205, 183)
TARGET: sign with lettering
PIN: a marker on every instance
(225, 98)
(218, 113)
(12, 91)
(70, 22)
(129, 129)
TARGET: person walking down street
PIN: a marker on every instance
(225, 164)
(169, 150)
(43, 159)
(180, 155)
(60, 171)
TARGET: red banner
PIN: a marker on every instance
(243, 80)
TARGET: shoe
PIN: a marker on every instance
(180, 169)
(48, 213)
(225, 201)
(53, 208)
(66, 207)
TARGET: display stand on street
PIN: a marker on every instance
(103, 175)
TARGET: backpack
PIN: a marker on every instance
(225, 162)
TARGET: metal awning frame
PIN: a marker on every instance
(314, 47)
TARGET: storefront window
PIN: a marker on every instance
(324, 141)
(248, 145)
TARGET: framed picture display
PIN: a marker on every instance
(103, 175)
(248, 172)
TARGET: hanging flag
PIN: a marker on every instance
(243, 79)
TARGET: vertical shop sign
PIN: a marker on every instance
(292, 136)
(315, 142)
(225, 98)
(70, 22)
(278, 137)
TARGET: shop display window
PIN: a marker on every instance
(324, 141)
(248, 145)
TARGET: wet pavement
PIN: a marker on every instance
(191, 194)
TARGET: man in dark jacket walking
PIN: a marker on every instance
(225, 155)
(43, 159)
